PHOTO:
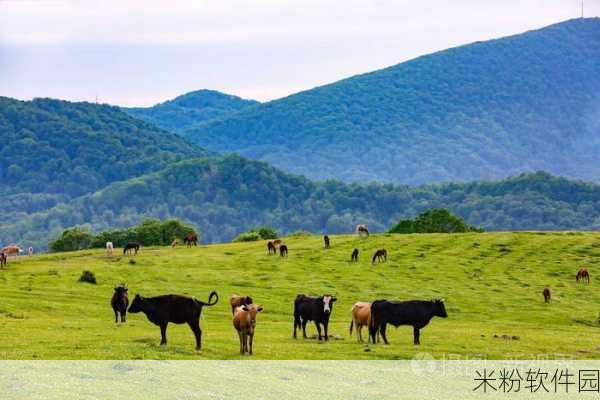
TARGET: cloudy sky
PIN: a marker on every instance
(143, 52)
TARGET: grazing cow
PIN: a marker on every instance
(109, 248)
(191, 240)
(547, 295)
(354, 256)
(361, 316)
(583, 275)
(326, 240)
(415, 312)
(271, 248)
(131, 246)
(244, 322)
(30, 251)
(362, 229)
(237, 301)
(283, 250)
(10, 250)
(313, 309)
(119, 302)
(380, 255)
(173, 308)
(3, 259)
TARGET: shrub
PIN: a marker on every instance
(434, 221)
(88, 276)
(266, 232)
(250, 236)
(72, 239)
(300, 233)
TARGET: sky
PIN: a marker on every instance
(139, 53)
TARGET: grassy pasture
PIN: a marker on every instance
(491, 282)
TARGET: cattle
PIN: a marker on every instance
(173, 308)
(380, 256)
(109, 248)
(416, 313)
(244, 322)
(362, 229)
(313, 309)
(236, 301)
(271, 248)
(10, 250)
(30, 251)
(326, 240)
(3, 259)
(354, 256)
(283, 250)
(131, 246)
(191, 240)
(119, 302)
(582, 275)
(361, 316)
(547, 295)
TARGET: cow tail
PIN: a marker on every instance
(373, 326)
(215, 295)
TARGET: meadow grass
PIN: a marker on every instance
(491, 283)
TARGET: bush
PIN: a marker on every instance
(249, 236)
(72, 239)
(262, 233)
(266, 233)
(436, 220)
(88, 276)
(300, 234)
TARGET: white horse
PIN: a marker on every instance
(109, 248)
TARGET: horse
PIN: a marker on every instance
(283, 250)
(354, 256)
(582, 275)
(3, 259)
(191, 240)
(362, 229)
(9, 250)
(174, 243)
(109, 248)
(271, 248)
(547, 295)
(277, 243)
(30, 251)
(326, 240)
(131, 246)
(380, 255)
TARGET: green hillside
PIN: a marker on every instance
(491, 284)
(190, 109)
(52, 150)
(486, 110)
(222, 197)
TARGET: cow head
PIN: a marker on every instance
(328, 303)
(121, 290)
(439, 310)
(136, 304)
(252, 310)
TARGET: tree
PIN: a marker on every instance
(432, 221)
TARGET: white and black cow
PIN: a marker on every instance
(416, 313)
(313, 309)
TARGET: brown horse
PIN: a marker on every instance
(271, 248)
(191, 240)
(9, 250)
(583, 275)
(277, 243)
(380, 255)
(283, 250)
(547, 295)
(354, 256)
(3, 259)
(326, 240)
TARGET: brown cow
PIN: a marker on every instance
(361, 316)
(238, 301)
(380, 255)
(244, 322)
(547, 295)
(9, 250)
(3, 259)
(583, 275)
(119, 302)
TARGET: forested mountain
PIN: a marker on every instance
(190, 109)
(486, 110)
(52, 150)
(225, 196)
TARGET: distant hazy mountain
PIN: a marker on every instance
(486, 110)
(225, 196)
(192, 108)
(52, 150)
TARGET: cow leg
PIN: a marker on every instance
(318, 329)
(359, 332)
(382, 332)
(304, 322)
(325, 325)
(163, 334)
(124, 315)
(116, 316)
(416, 334)
(195, 326)
(251, 339)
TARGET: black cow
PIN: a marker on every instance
(174, 308)
(119, 302)
(312, 309)
(415, 312)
